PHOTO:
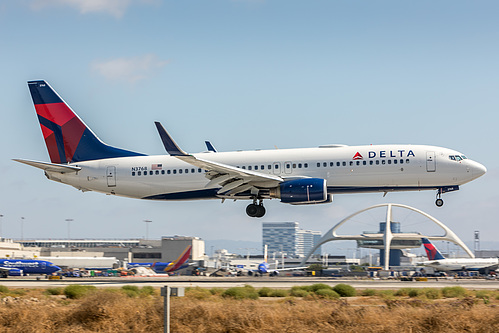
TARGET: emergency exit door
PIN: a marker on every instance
(430, 161)
(111, 176)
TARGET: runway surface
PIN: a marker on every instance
(257, 282)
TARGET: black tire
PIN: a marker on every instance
(439, 202)
(261, 211)
(252, 210)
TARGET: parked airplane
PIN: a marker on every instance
(295, 176)
(166, 267)
(18, 267)
(439, 262)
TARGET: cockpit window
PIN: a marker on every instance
(457, 157)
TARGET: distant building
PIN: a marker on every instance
(287, 237)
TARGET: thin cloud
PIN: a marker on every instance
(115, 8)
(129, 69)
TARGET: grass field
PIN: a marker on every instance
(316, 308)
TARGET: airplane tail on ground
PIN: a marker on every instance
(66, 136)
(180, 261)
(431, 251)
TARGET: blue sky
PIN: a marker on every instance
(247, 74)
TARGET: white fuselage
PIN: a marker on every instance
(460, 264)
(374, 168)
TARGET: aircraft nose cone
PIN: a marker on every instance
(478, 169)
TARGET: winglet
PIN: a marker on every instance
(171, 147)
(210, 147)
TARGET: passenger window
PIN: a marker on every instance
(269, 167)
(364, 162)
(324, 164)
(288, 166)
(401, 161)
(377, 162)
(157, 172)
(338, 163)
(162, 172)
(133, 173)
(358, 163)
(371, 162)
(294, 165)
(331, 164)
(192, 170)
(276, 166)
(344, 163)
(407, 161)
(243, 167)
(179, 170)
(389, 161)
(174, 171)
(150, 172)
(199, 170)
(394, 161)
(299, 165)
(139, 173)
(383, 162)
(318, 165)
(186, 170)
(256, 167)
(168, 171)
(305, 165)
(249, 167)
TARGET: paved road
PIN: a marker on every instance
(257, 282)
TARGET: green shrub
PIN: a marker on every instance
(299, 292)
(304, 288)
(413, 292)
(345, 290)
(451, 292)
(432, 293)
(327, 293)
(54, 291)
(368, 292)
(198, 293)
(279, 293)
(404, 292)
(3, 289)
(130, 291)
(246, 292)
(78, 291)
(387, 294)
(216, 291)
(264, 292)
(318, 286)
(147, 291)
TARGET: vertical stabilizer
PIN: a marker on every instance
(431, 251)
(66, 136)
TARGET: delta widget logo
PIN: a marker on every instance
(358, 156)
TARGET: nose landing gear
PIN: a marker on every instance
(255, 210)
(439, 202)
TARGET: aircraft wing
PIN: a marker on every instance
(233, 180)
(4, 268)
(62, 168)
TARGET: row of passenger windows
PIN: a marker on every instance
(276, 166)
(371, 162)
(168, 172)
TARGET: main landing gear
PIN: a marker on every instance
(255, 210)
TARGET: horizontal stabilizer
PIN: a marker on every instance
(50, 166)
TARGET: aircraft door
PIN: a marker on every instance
(288, 167)
(430, 161)
(111, 176)
(44, 265)
(276, 167)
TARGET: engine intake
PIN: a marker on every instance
(302, 191)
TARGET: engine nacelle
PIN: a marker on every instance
(303, 191)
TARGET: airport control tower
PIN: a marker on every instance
(376, 242)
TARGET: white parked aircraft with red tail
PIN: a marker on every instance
(295, 176)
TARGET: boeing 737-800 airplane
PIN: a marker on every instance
(295, 176)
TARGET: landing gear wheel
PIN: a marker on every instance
(439, 202)
(254, 210)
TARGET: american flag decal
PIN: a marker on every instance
(156, 166)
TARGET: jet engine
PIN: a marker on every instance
(302, 191)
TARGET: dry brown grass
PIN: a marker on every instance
(114, 311)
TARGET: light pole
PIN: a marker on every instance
(1, 227)
(22, 228)
(69, 229)
(147, 228)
